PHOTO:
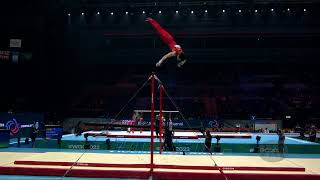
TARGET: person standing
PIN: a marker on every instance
(313, 134)
(168, 144)
(207, 142)
(140, 121)
(157, 126)
(34, 133)
(281, 141)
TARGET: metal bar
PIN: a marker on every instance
(152, 124)
(160, 121)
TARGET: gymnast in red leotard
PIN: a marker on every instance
(169, 41)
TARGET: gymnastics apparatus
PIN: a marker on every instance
(167, 166)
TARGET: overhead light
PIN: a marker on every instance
(69, 14)
(304, 10)
(82, 14)
(205, 11)
(159, 12)
(223, 10)
(272, 10)
(111, 13)
(98, 12)
(143, 12)
(256, 10)
(288, 9)
(191, 12)
(239, 10)
(177, 12)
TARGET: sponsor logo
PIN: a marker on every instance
(178, 124)
(82, 164)
(80, 146)
(26, 125)
(144, 123)
(228, 168)
(272, 152)
(13, 126)
(269, 150)
(183, 148)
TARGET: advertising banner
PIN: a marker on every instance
(21, 124)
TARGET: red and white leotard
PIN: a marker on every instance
(165, 36)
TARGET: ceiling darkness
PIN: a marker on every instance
(76, 56)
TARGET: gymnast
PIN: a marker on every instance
(176, 49)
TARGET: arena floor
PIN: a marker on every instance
(98, 164)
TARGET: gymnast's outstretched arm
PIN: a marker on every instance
(166, 57)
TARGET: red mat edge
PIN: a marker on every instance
(36, 171)
(231, 176)
(232, 168)
(52, 163)
(162, 166)
(94, 173)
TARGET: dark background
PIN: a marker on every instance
(239, 63)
